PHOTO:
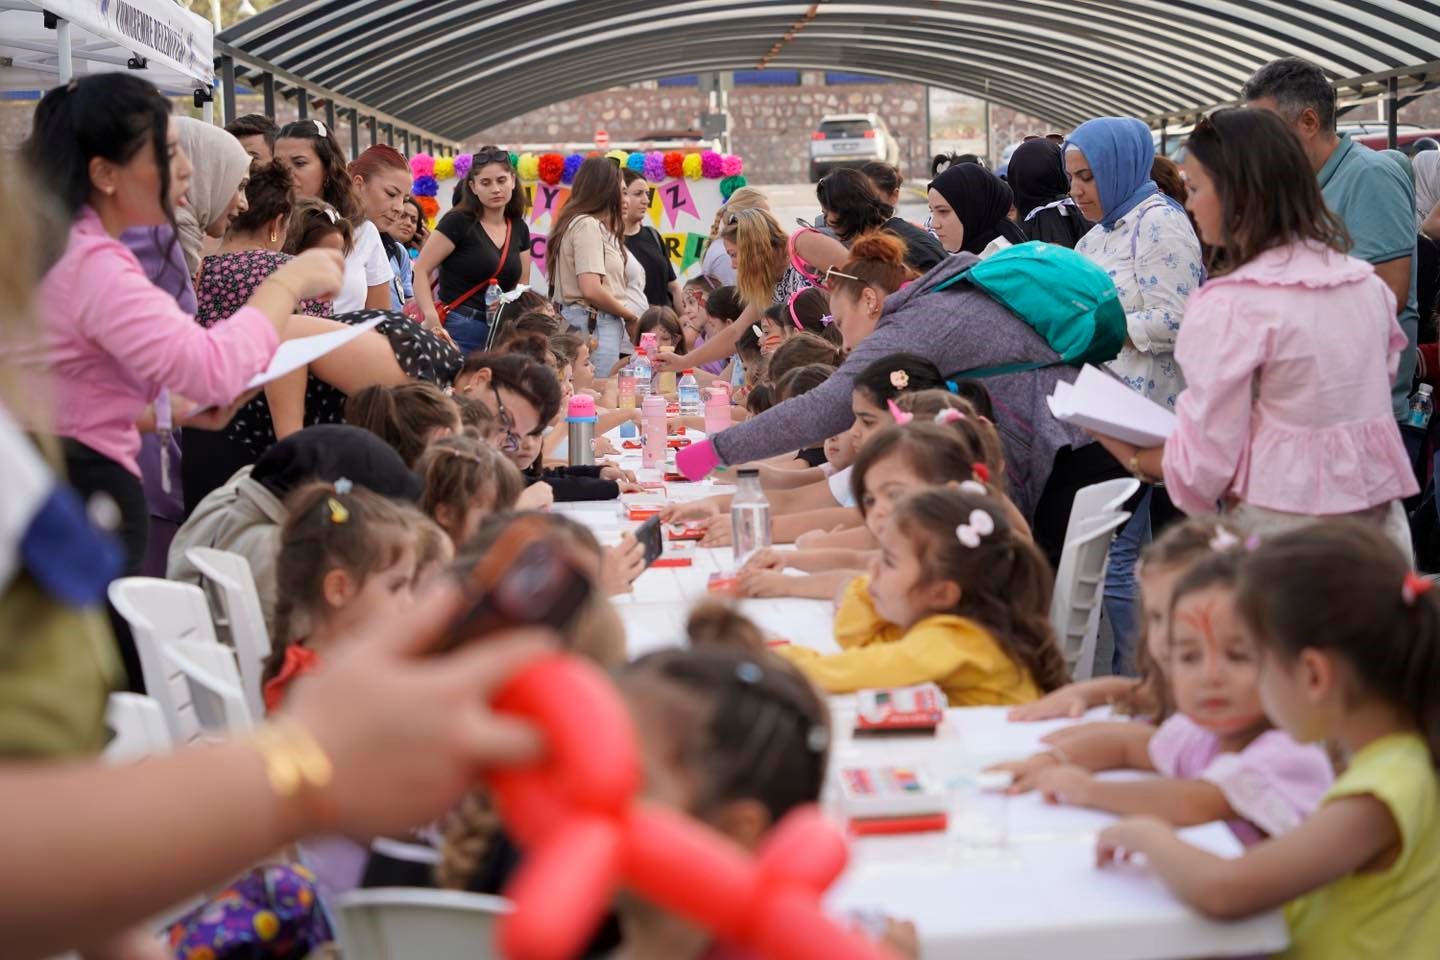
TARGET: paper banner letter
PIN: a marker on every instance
(656, 207)
(530, 201)
(550, 199)
(675, 194)
(694, 243)
(538, 248)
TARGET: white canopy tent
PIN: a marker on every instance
(47, 42)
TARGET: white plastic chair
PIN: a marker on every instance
(238, 616)
(138, 725)
(1097, 499)
(161, 612)
(399, 923)
(216, 695)
(1080, 591)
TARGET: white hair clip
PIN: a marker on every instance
(1223, 540)
(343, 486)
(981, 525)
(899, 379)
(948, 416)
(759, 334)
(975, 487)
(320, 128)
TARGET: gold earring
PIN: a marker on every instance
(272, 236)
(109, 191)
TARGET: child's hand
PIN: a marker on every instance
(1065, 702)
(1063, 738)
(717, 532)
(1119, 842)
(816, 538)
(1023, 773)
(694, 510)
(763, 583)
(1067, 785)
(537, 496)
(603, 447)
(767, 559)
(902, 938)
(623, 562)
(612, 472)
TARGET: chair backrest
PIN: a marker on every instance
(1080, 591)
(239, 617)
(1099, 498)
(215, 693)
(161, 612)
(138, 727)
(398, 923)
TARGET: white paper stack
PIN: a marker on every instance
(294, 354)
(1098, 402)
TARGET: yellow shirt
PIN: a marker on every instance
(958, 654)
(1393, 913)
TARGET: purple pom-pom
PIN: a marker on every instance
(462, 165)
(636, 162)
(655, 166)
(426, 186)
(712, 165)
(422, 165)
(572, 167)
(732, 166)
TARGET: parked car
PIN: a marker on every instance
(850, 140)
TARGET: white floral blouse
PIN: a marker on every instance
(1153, 256)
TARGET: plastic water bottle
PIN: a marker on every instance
(492, 302)
(625, 386)
(690, 403)
(1422, 406)
(581, 417)
(655, 428)
(642, 373)
(749, 517)
(717, 411)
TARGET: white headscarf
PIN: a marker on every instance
(220, 164)
(1427, 183)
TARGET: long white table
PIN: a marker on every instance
(1010, 877)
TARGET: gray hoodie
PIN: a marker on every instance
(958, 329)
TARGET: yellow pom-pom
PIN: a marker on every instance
(692, 166)
(619, 155)
(266, 924)
(444, 168)
(529, 167)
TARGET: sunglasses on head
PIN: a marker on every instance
(832, 272)
(490, 156)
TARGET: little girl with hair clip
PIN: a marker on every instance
(1348, 640)
(957, 597)
(1218, 756)
(346, 556)
(465, 481)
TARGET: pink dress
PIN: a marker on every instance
(1288, 363)
(1274, 783)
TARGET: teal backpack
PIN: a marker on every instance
(1065, 297)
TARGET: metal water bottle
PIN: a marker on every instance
(581, 417)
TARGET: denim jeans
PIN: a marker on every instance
(611, 340)
(1121, 587)
(467, 327)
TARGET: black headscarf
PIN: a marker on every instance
(329, 451)
(1037, 175)
(982, 201)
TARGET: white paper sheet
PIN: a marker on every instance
(294, 354)
(1097, 401)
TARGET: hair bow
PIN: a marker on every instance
(901, 417)
(899, 379)
(1223, 540)
(974, 487)
(980, 525)
(981, 471)
(948, 415)
(1413, 587)
(320, 128)
(826, 320)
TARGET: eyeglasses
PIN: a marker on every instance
(507, 423)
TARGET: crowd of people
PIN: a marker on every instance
(1276, 656)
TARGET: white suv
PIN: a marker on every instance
(850, 140)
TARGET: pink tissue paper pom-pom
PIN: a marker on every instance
(422, 165)
(655, 167)
(732, 166)
(462, 165)
(712, 165)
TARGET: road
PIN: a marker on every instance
(792, 200)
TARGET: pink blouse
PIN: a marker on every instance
(1273, 784)
(113, 339)
(1288, 363)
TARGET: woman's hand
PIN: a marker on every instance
(427, 728)
(316, 274)
(717, 532)
(212, 418)
(537, 496)
(611, 472)
(1024, 773)
(694, 510)
(669, 363)
(623, 562)
(1065, 702)
(629, 486)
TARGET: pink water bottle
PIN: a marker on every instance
(717, 411)
(650, 343)
(652, 412)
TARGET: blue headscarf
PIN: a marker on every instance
(1120, 151)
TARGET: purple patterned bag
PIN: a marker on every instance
(272, 912)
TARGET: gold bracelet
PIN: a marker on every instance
(293, 759)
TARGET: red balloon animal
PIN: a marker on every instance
(584, 834)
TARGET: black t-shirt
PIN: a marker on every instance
(814, 456)
(922, 251)
(659, 271)
(476, 255)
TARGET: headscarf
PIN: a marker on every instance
(328, 452)
(163, 261)
(1036, 174)
(220, 164)
(1120, 152)
(982, 201)
(1427, 183)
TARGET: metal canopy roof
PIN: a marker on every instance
(456, 67)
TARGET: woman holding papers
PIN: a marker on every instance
(1288, 351)
(108, 149)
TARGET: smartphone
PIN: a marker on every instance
(649, 535)
(527, 578)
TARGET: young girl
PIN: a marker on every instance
(806, 311)
(346, 556)
(800, 350)
(314, 224)
(466, 480)
(409, 417)
(1218, 755)
(1162, 565)
(956, 597)
(1349, 647)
